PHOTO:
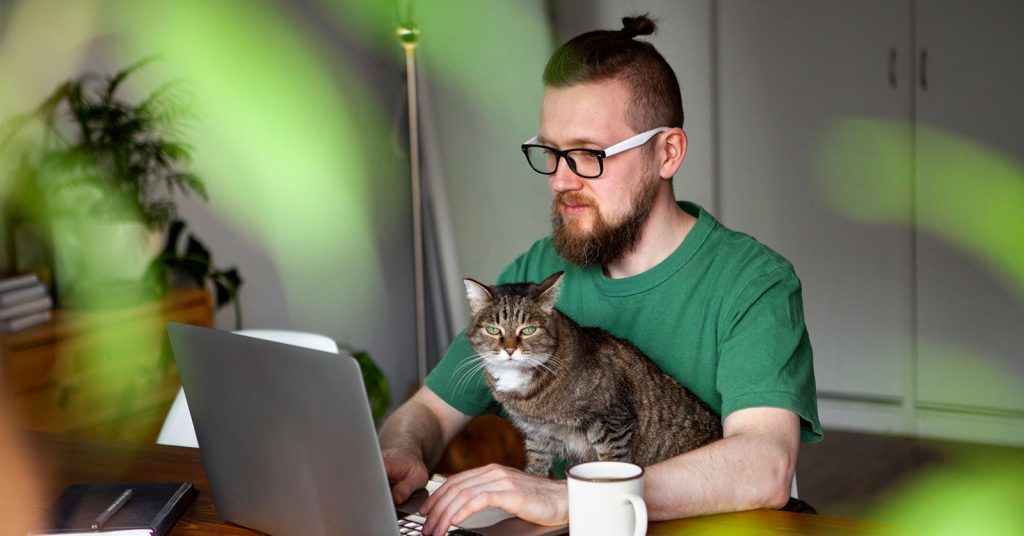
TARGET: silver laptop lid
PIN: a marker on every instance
(286, 435)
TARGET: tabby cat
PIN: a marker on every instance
(578, 393)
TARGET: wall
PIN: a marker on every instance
(300, 144)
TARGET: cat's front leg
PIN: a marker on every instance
(539, 455)
(611, 439)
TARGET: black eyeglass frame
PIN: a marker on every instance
(559, 155)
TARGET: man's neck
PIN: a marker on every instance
(664, 231)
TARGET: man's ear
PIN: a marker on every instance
(548, 290)
(672, 153)
(478, 294)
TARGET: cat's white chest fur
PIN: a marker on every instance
(509, 379)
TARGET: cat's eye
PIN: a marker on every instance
(529, 330)
(491, 330)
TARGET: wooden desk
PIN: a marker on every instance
(64, 460)
(103, 374)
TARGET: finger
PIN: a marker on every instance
(449, 483)
(476, 503)
(402, 490)
(441, 519)
(449, 496)
(397, 472)
(469, 499)
(472, 477)
(439, 501)
(403, 485)
(545, 504)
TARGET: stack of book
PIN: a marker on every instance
(24, 303)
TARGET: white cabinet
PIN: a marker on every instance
(969, 184)
(788, 71)
(834, 126)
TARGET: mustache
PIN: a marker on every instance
(572, 198)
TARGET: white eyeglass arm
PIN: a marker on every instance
(623, 145)
(635, 141)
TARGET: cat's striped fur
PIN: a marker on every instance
(578, 393)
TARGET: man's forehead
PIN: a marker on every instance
(579, 114)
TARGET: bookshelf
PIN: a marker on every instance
(106, 375)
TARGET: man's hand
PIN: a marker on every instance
(412, 439)
(406, 473)
(535, 499)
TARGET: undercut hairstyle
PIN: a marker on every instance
(603, 55)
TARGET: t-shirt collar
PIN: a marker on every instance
(665, 269)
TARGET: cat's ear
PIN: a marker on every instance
(548, 290)
(478, 294)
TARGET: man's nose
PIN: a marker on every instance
(564, 179)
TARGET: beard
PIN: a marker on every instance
(606, 242)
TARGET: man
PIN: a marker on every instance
(714, 308)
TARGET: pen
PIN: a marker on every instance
(111, 510)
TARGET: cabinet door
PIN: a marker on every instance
(970, 204)
(790, 74)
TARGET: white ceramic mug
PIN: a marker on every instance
(607, 498)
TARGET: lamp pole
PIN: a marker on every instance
(408, 34)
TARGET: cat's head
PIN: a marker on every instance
(511, 324)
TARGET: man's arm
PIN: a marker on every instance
(413, 439)
(751, 467)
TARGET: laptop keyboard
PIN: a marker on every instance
(412, 525)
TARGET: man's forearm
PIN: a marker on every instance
(414, 430)
(744, 471)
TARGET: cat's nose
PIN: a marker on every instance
(510, 351)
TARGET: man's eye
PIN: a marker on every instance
(529, 330)
(491, 330)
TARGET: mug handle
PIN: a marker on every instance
(641, 514)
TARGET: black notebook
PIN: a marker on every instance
(149, 510)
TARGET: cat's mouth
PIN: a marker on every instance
(514, 361)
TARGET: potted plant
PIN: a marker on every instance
(102, 181)
(193, 265)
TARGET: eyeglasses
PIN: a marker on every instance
(587, 163)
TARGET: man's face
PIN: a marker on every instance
(596, 220)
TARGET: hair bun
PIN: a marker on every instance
(639, 25)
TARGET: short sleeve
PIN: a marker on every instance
(766, 357)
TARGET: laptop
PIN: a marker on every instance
(288, 440)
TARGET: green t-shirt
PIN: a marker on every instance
(723, 315)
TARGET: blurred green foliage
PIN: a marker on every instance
(377, 389)
(102, 157)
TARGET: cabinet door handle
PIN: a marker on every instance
(892, 67)
(923, 73)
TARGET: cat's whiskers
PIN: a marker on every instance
(554, 361)
(538, 363)
(467, 378)
(471, 360)
(466, 369)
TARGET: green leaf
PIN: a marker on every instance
(232, 276)
(377, 389)
(223, 293)
(197, 251)
(154, 280)
(115, 81)
(195, 269)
